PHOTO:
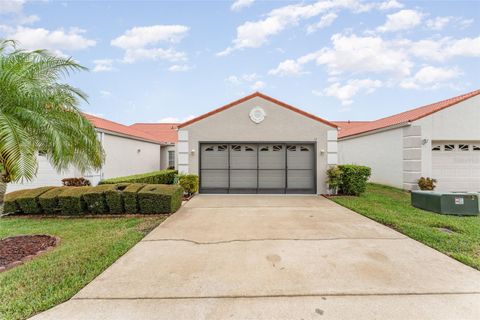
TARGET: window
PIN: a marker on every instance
(171, 159)
(292, 148)
(222, 147)
(265, 148)
(236, 147)
(247, 148)
(475, 148)
(463, 147)
(436, 148)
(449, 147)
(277, 147)
(303, 148)
(209, 148)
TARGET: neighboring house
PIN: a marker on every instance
(258, 145)
(128, 150)
(440, 140)
(165, 132)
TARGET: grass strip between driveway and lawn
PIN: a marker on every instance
(455, 236)
(87, 247)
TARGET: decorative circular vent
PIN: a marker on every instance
(257, 115)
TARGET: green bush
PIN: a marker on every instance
(334, 181)
(189, 183)
(130, 197)
(10, 201)
(160, 198)
(28, 200)
(49, 200)
(353, 179)
(114, 198)
(156, 177)
(95, 198)
(427, 183)
(71, 201)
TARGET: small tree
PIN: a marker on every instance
(39, 113)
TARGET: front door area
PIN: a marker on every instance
(257, 167)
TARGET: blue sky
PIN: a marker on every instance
(341, 60)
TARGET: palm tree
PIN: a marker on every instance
(39, 113)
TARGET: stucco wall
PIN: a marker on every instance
(123, 157)
(460, 122)
(234, 124)
(164, 156)
(382, 152)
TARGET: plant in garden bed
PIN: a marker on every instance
(189, 183)
(39, 113)
(348, 179)
(427, 184)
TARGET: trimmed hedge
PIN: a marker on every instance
(28, 200)
(114, 198)
(156, 177)
(49, 200)
(160, 198)
(95, 198)
(71, 201)
(130, 197)
(353, 179)
(10, 203)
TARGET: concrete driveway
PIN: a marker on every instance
(276, 257)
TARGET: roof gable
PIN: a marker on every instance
(263, 96)
(405, 117)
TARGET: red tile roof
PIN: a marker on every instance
(344, 125)
(111, 126)
(405, 117)
(261, 95)
(166, 132)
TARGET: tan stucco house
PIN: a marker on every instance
(258, 145)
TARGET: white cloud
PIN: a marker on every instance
(55, 40)
(439, 23)
(257, 85)
(144, 36)
(345, 93)
(401, 20)
(324, 22)
(353, 54)
(287, 68)
(103, 65)
(391, 4)
(12, 10)
(430, 77)
(240, 4)
(141, 43)
(179, 68)
(444, 48)
(175, 119)
(11, 6)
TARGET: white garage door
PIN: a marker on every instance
(456, 165)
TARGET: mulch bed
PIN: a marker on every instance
(18, 249)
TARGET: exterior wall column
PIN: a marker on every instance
(183, 152)
(412, 156)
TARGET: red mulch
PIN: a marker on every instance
(17, 249)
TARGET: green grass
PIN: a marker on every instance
(87, 247)
(391, 207)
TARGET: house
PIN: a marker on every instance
(440, 140)
(128, 150)
(258, 144)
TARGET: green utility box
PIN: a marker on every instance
(461, 204)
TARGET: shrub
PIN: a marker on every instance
(114, 198)
(130, 197)
(71, 201)
(160, 198)
(49, 200)
(156, 177)
(334, 175)
(427, 183)
(189, 183)
(353, 179)
(95, 198)
(76, 182)
(28, 200)
(10, 201)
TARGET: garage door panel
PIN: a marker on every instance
(271, 156)
(299, 157)
(243, 179)
(300, 179)
(271, 179)
(243, 156)
(214, 156)
(214, 179)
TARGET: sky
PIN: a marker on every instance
(168, 61)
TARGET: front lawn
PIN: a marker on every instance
(458, 237)
(87, 247)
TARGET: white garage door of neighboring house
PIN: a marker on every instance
(257, 168)
(456, 165)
